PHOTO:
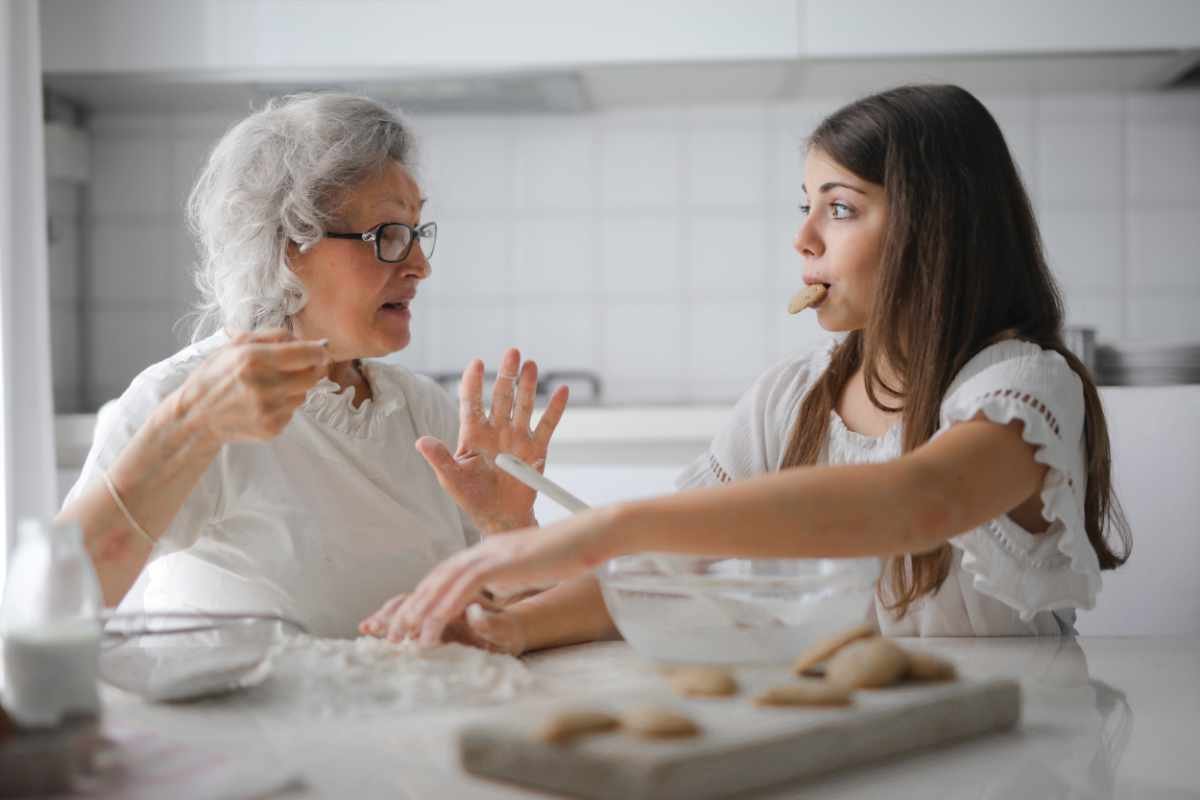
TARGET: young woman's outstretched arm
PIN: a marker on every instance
(974, 472)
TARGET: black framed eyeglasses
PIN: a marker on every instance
(394, 240)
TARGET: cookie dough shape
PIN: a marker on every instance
(566, 726)
(657, 722)
(928, 667)
(824, 649)
(807, 692)
(702, 682)
(868, 664)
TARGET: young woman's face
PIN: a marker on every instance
(359, 303)
(841, 240)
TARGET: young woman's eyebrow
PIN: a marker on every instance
(825, 187)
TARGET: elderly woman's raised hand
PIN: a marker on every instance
(495, 500)
(249, 389)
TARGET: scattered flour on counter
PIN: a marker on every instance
(333, 677)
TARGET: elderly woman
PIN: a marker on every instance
(268, 466)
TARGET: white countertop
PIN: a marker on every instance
(581, 425)
(640, 424)
(1102, 717)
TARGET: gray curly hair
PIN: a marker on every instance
(280, 176)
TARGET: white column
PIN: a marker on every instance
(26, 403)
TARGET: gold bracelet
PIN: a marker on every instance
(112, 491)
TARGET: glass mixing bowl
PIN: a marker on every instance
(172, 656)
(682, 608)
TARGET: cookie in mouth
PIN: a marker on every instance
(807, 297)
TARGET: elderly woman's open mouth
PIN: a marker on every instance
(398, 307)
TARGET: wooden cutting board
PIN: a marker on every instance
(742, 747)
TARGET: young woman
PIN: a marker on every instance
(949, 431)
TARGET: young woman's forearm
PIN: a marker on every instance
(570, 613)
(823, 512)
(153, 476)
(972, 473)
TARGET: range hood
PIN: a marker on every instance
(642, 85)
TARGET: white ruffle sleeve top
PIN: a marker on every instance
(323, 523)
(1004, 580)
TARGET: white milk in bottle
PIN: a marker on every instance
(50, 626)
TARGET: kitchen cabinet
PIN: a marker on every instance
(945, 28)
(318, 39)
(324, 40)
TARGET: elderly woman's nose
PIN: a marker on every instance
(416, 265)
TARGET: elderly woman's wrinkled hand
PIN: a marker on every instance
(484, 624)
(564, 550)
(249, 389)
(495, 500)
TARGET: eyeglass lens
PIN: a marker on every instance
(394, 241)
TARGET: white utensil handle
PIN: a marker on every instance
(732, 610)
(539, 482)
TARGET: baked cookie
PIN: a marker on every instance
(702, 682)
(809, 295)
(868, 664)
(566, 726)
(825, 648)
(657, 722)
(806, 692)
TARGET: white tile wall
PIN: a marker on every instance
(726, 253)
(655, 245)
(640, 165)
(556, 163)
(640, 255)
(642, 350)
(555, 256)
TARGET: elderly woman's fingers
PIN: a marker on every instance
(270, 335)
(294, 386)
(438, 455)
(414, 614)
(470, 393)
(289, 356)
(551, 416)
(377, 623)
(451, 602)
(526, 392)
(495, 630)
(505, 386)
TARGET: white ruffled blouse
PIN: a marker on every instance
(323, 523)
(1004, 580)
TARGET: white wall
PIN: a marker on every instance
(654, 245)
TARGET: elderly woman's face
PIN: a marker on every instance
(361, 304)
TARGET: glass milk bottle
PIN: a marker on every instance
(50, 625)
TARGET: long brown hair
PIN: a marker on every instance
(961, 268)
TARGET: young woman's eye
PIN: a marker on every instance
(840, 210)
(804, 209)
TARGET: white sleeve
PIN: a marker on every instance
(1057, 568)
(753, 439)
(116, 424)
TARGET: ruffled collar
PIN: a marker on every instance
(330, 405)
(862, 440)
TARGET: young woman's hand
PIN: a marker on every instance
(484, 624)
(495, 500)
(249, 389)
(553, 553)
